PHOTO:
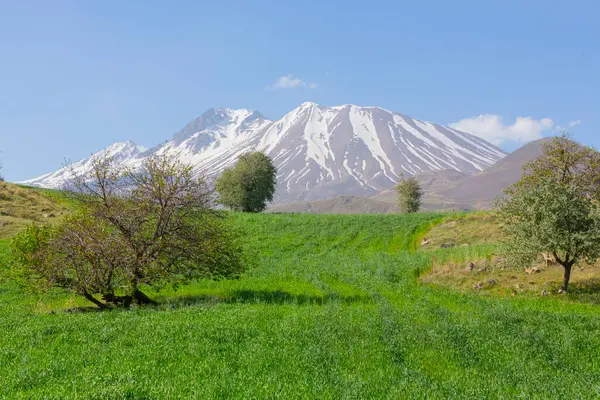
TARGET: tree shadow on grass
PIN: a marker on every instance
(588, 286)
(79, 310)
(583, 291)
(261, 297)
(237, 296)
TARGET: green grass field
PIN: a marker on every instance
(330, 308)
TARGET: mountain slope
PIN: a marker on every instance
(481, 189)
(213, 141)
(442, 190)
(320, 152)
(431, 183)
(122, 152)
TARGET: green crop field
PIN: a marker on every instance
(330, 307)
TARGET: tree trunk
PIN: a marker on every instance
(97, 302)
(567, 275)
(141, 298)
(117, 300)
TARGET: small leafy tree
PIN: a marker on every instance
(554, 208)
(409, 195)
(249, 185)
(566, 161)
(551, 217)
(135, 228)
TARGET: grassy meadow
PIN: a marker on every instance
(331, 306)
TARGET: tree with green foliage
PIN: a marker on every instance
(409, 195)
(249, 185)
(134, 228)
(554, 208)
(566, 161)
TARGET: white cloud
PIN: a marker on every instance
(570, 124)
(291, 82)
(492, 128)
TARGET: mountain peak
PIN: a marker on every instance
(122, 150)
(216, 118)
(123, 145)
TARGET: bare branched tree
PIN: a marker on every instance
(150, 225)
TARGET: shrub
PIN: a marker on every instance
(409, 195)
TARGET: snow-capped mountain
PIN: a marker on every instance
(122, 152)
(214, 140)
(319, 152)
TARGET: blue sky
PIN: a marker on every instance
(76, 76)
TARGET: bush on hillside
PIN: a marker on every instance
(409, 195)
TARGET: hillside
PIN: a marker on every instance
(481, 189)
(330, 308)
(346, 204)
(320, 152)
(21, 206)
(447, 190)
(452, 190)
(431, 184)
(482, 273)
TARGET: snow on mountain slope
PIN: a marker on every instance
(213, 141)
(122, 152)
(321, 152)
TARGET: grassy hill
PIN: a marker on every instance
(20, 206)
(482, 231)
(331, 307)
